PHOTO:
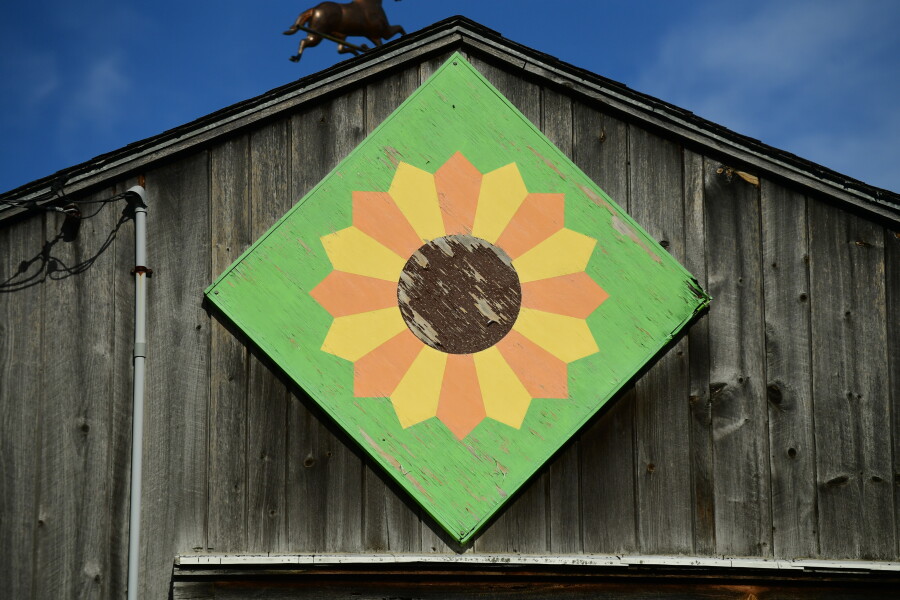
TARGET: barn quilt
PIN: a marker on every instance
(459, 297)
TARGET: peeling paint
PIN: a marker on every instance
(549, 163)
(597, 199)
(623, 228)
(393, 155)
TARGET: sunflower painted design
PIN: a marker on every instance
(459, 295)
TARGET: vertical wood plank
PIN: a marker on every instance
(662, 409)
(324, 487)
(230, 230)
(391, 524)
(701, 440)
(305, 501)
(383, 96)
(267, 395)
(789, 385)
(737, 365)
(71, 553)
(892, 273)
(562, 477)
(311, 158)
(522, 525)
(21, 324)
(850, 379)
(600, 149)
(428, 67)
(174, 499)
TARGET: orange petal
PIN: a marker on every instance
(461, 408)
(539, 217)
(376, 214)
(542, 374)
(344, 294)
(458, 183)
(377, 374)
(575, 295)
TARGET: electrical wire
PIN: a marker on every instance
(50, 267)
(60, 199)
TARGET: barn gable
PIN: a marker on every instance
(768, 431)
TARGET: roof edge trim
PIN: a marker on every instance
(445, 36)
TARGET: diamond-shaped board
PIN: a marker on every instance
(459, 297)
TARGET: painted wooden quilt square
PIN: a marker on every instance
(459, 297)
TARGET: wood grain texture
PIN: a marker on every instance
(327, 511)
(306, 435)
(701, 439)
(737, 368)
(607, 486)
(522, 526)
(305, 500)
(174, 505)
(563, 476)
(600, 149)
(229, 223)
(789, 383)
(21, 381)
(76, 404)
(429, 66)
(850, 385)
(390, 523)
(662, 426)
(267, 394)
(384, 95)
(892, 273)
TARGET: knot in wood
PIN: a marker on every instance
(459, 294)
(774, 393)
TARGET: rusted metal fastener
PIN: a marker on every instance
(143, 270)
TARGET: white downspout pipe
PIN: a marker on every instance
(138, 197)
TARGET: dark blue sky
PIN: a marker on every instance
(819, 78)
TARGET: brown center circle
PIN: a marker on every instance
(459, 294)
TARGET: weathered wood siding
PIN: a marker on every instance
(771, 429)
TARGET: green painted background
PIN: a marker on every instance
(460, 484)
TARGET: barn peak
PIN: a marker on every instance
(459, 33)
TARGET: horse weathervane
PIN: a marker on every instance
(333, 21)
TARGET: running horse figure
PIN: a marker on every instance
(365, 18)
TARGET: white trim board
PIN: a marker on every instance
(524, 560)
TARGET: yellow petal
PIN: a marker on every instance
(415, 194)
(566, 338)
(505, 398)
(502, 192)
(353, 251)
(354, 336)
(563, 253)
(416, 396)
